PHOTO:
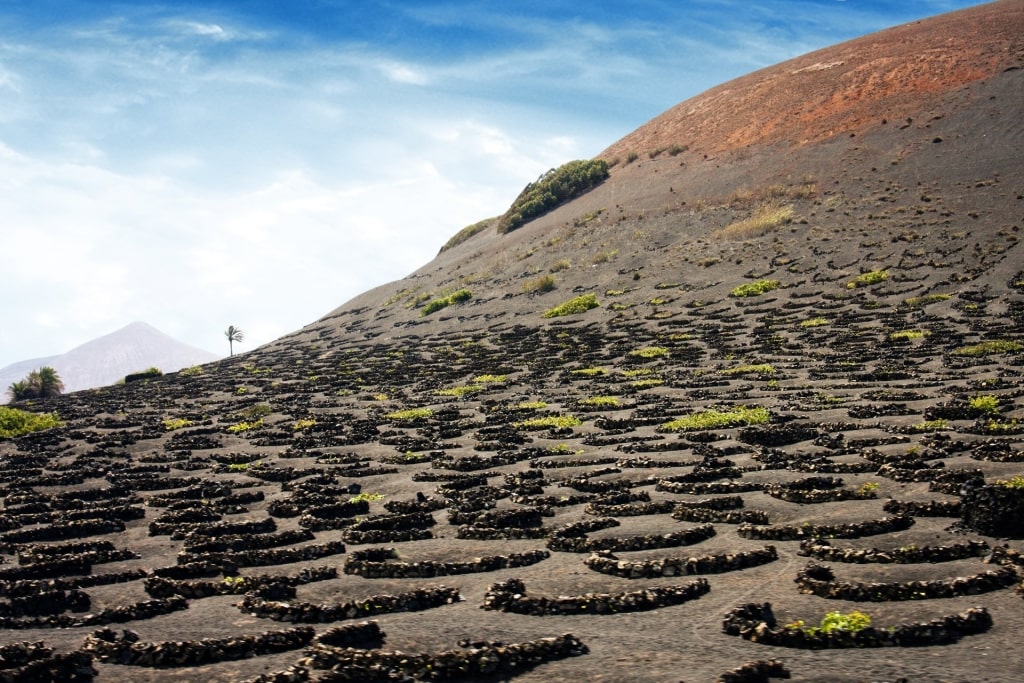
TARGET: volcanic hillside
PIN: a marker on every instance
(767, 370)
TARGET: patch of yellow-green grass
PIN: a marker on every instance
(245, 426)
(531, 405)
(815, 322)
(989, 348)
(589, 372)
(460, 391)
(600, 401)
(170, 424)
(556, 421)
(639, 372)
(924, 300)
(410, 414)
(867, 279)
(455, 297)
(930, 426)
(984, 402)
(304, 423)
(575, 306)
(907, 335)
(16, 422)
(490, 379)
(614, 292)
(755, 288)
(764, 219)
(647, 383)
(649, 352)
(712, 419)
(366, 497)
(758, 369)
(1016, 482)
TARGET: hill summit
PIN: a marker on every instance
(745, 404)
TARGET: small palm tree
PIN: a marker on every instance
(41, 383)
(234, 335)
(50, 383)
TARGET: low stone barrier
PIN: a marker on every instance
(385, 536)
(126, 649)
(17, 654)
(293, 674)
(510, 596)
(420, 504)
(931, 508)
(796, 532)
(201, 492)
(993, 510)
(482, 533)
(553, 501)
(823, 550)
(98, 552)
(60, 532)
(756, 622)
(261, 558)
(167, 523)
(755, 672)
(374, 564)
(159, 587)
(46, 602)
(365, 635)
(260, 526)
(578, 462)
(46, 569)
(112, 615)
(707, 488)
(72, 667)
(607, 563)
(31, 587)
(632, 543)
(307, 612)
(630, 509)
(475, 661)
(193, 570)
(709, 515)
(522, 519)
(236, 542)
(815, 579)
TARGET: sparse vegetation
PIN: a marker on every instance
(758, 369)
(834, 621)
(560, 265)
(550, 421)
(575, 306)
(930, 426)
(755, 288)
(466, 233)
(366, 497)
(920, 301)
(245, 426)
(649, 352)
(867, 279)
(456, 297)
(531, 405)
(1016, 482)
(589, 372)
(540, 285)
(304, 423)
(989, 348)
(15, 422)
(764, 219)
(985, 403)
(907, 335)
(193, 371)
(713, 419)
(815, 322)
(170, 424)
(410, 415)
(551, 190)
(604, 256)
(600, 401)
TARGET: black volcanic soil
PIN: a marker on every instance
(870, 385)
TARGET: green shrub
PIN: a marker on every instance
(551, 190)
(755, 288)
(575, 306)
(245, 426)
(15, 422)
(762, 369)
(255, 412)
(918, 301)
(986, 403)
(835, 621)
(410, 414)
(559, 421)
(599, 401)
(989, 348)
(467, 232)
(712, 419)
(545, 283)
(170, 424)
(367, 497)
(647, 383)
(649, 352)
(590, 372)
(455, 297)
(304, 423)
(1016, 482)
(531, 405)
(459, 391)
(191, 371)
(814, 322)
(930, 426)
(867, 279)
(490, 379)
(907, 335)
(560, 265)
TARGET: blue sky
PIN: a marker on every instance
(259, 163)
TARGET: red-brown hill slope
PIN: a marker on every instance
(851, 87)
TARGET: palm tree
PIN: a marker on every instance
(234, 335)
(41, 383)
(50, 383)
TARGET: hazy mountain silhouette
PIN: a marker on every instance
(109, 358)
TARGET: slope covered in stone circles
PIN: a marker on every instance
(800, 386)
